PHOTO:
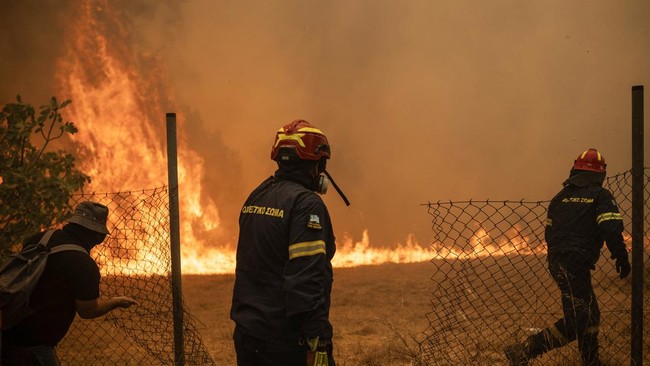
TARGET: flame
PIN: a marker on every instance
(121, 132)
(352, 254)
(482, 245)
(119, 109)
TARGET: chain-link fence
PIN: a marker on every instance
(492, 287)
(135, 261)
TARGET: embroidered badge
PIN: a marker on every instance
(314, 222)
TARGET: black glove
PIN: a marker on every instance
(623, 265)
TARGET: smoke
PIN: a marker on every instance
(421, 100)
(31, 34)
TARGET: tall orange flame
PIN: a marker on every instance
(121, 131)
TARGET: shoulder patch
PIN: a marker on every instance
(314, 222)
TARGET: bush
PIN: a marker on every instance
(36, 183)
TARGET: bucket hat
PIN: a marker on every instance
(91, 215)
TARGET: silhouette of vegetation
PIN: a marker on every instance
(36, 180)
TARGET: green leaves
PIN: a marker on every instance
(37, 181)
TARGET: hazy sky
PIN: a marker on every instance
(421, 100)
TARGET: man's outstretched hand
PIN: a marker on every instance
(124, 302)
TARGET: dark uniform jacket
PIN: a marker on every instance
(68, 275)
(580, 217)
(284, 275)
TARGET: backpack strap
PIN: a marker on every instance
(59, 248)
(46, 238)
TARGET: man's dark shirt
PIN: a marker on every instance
(284, 275)
(68, 275)
(580, 218)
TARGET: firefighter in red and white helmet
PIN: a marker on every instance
(283, 280)
(580, 217)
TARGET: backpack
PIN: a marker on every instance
(20, 274)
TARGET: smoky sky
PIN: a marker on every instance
(421, 100)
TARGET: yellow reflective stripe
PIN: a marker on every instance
(306, 249)
(608, 216)
(310, 129)
(295, 137)
(304, 129)
(600, 157)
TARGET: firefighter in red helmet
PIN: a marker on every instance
(283, 277)
(580, 217)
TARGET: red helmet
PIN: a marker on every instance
(307, 141)
(590, 160)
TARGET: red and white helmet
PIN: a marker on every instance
(301, 137)
(590, 160)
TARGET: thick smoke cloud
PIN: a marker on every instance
(421, 100)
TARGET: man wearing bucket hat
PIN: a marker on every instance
(69, 286)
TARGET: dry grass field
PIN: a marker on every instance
(378, 313)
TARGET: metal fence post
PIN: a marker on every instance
(174, 234)
(638, 177)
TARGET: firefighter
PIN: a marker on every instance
(283, 276)
(580, 217)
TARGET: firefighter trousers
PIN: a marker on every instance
(252, 351)
(572, 275)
